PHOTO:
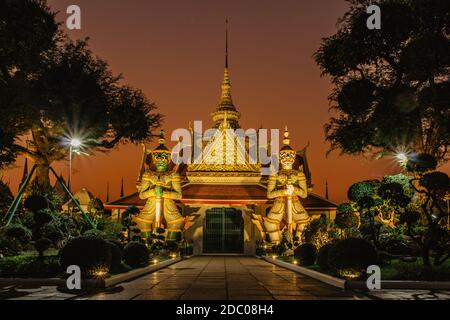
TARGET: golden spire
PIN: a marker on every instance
(225, 98)
(226, 102)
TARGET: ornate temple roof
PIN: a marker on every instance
(224, 194)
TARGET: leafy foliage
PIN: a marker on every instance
(6, 198)
(14, 238)
(53, 87)
(89, 253)
(391, 86)
(129, 225)
(322, 257)
(320, 232)
(136, 254)
(424, 224)
(306, 253)
(352, 255)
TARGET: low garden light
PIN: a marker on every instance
(155, 261)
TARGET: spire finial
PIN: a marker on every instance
(326, 190)
(286, 140)
(122, 191)
(226, 43)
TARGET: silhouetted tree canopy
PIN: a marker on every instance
(54, 88)
(391, 86)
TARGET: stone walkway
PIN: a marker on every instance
(219, 278)
(225, 278)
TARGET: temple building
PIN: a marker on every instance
(234, 205)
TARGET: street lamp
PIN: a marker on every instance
(74, 143)
(402, 159)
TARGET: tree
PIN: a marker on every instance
(391, 86)
(129, 225)
(426, 225)
(6, 197)
(70, 93)
(27, 30)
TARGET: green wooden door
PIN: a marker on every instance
(224, 231)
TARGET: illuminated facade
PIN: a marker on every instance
(221, 201)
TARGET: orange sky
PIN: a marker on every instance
(173, 51)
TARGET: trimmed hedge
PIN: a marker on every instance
(322, 257)
(136, 254)
(306, 254)
(89, 253)
(352, 255)
(116, 254)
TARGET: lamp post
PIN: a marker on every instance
(74, 143)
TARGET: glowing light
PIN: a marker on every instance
(274, 257)
(155, 261)
(295, 262)
(76, 143)
(173, 255)
(402, 157)
(100, 272)
(350, 274)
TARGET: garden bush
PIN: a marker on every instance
(322, 257)
(399, 248)
(89, 253)
(351, 257)
(306, 254)
(346, 218)
(116, 254)
(28, 266)
(36, 203)
(171, 246)
(136, 254)
(41, 245)
(94, 233)
(13, 239)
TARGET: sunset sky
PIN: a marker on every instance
(174, 51)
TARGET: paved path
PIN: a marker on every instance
(219, 278)
(222, 278)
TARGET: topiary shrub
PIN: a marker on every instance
(322, 257)
(94, 233)
(171, 246)
(116, 254)
(350, 258)
(36, 203)
(13, 239)
(41, 245)
(136, 254)
(306, 254)
(398, 248)
(90, 254)
(18, 232)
